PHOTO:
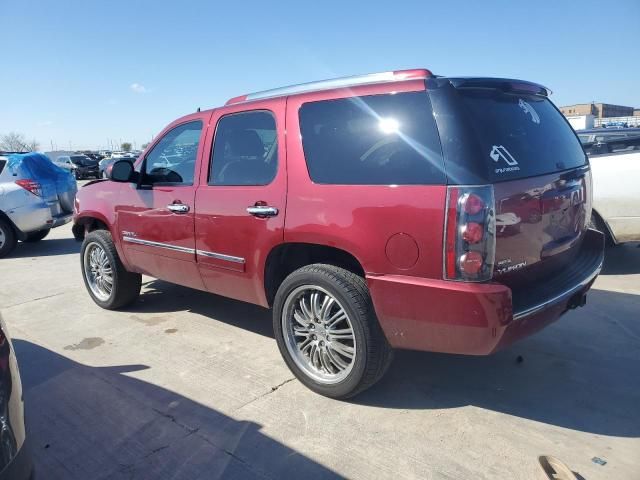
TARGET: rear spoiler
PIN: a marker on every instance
(505, 84)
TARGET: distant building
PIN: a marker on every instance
(636, 112)
(598, 110)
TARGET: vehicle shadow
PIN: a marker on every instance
(162, 297)
(100, 422)
(46, 248)
(622, 260)
(580, 373)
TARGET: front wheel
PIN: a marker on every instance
(110, 285)
(327, 331)
(8, 238)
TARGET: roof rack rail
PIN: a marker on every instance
(342, 82)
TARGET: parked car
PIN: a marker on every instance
(64, 161)
(35, 196)
(103, 164)
(385, 218)
(16, 462)
(85, 167)
(615, 163)
(597, 135)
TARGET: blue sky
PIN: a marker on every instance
(83, 72)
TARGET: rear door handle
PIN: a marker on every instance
(178, 207)
(262, 211)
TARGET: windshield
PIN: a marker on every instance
(520, 135)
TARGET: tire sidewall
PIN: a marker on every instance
(89, 239)
(10, 239)
(359, 325)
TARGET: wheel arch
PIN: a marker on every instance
(87, 223)
(285, 258)
(603, 223)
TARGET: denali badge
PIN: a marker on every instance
(128, 234)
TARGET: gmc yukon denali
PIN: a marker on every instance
(392, 210)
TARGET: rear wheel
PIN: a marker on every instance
(110, 285)
(37, 236)
(8, 238)
(327, 331)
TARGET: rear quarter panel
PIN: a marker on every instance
(361, 219)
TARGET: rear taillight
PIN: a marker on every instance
(30, 185)
(470, 242)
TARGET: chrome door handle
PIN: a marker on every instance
(178, 207)
(262, 211)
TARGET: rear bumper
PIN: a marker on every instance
(478, 319)
(60, 220)
(31, 217)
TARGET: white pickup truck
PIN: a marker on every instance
(615, 164)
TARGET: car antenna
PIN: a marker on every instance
(198, 109)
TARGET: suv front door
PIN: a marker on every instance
(156, 217)
(241, 199)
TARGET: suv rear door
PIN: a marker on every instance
(241, 198)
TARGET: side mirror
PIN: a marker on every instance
(122, 171)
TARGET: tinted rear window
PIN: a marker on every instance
(372, 140)
(520, 135)
(2, 163)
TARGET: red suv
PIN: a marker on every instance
(393, 210)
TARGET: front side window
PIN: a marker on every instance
(374, 140)
(173, 159)
(245, 151)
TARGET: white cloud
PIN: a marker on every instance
(138, 88)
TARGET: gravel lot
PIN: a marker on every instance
(189, 385)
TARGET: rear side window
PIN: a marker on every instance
(245, 151)
(2, 164)
(520, 135)
(372, 140)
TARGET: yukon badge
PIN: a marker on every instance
(129, 234)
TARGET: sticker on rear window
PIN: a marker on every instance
(499, 152)
(528, 109)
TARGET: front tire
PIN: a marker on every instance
(327, 331)
(8, 240)
(36, 236)
(109, 284)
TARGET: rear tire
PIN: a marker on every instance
(8, 240)
(335, 358)
(37, 235)
(109, 284)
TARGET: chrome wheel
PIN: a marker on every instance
(318, 334)
(3, 237)
(98, 271)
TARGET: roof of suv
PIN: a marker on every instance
(342, 82)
